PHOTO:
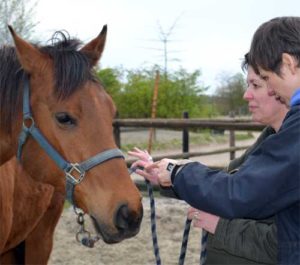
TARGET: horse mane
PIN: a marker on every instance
(72, 69)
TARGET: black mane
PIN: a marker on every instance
(72, 69)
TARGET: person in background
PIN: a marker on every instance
(268, 182)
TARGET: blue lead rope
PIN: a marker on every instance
(203, 246)
(153, 223)
(185, 239)
(185, 233)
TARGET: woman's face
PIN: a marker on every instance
(265, 109)
(283, 85)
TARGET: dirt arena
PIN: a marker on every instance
(171, 216)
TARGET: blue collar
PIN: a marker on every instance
(295, 100)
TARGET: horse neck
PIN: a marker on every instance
(8, 148)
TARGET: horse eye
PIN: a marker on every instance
(64, 118)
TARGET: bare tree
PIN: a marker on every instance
(19, 14)
(164, 37)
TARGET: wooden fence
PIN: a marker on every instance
(185, 124)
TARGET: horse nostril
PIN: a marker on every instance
(121, 220)
(127, 220)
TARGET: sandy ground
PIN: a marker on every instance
(135, 251)
(171, 216)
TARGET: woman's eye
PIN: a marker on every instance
(256, 85)
(64, 118)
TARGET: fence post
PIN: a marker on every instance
(117, 133)
(232, 138)
(185, 135)
(152, 131)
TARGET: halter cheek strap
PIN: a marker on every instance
(69, 168)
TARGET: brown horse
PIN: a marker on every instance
(66, 119)
(20, 192)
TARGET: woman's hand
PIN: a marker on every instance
(141, 154)
(163, 170)
(204, 220)
(158, 172)
(144, 160)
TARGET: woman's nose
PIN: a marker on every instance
(248, 95)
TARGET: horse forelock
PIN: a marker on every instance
(72, 69)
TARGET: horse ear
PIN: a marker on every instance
(95, 47)
(29, 56)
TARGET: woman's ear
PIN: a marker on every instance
(290, 62)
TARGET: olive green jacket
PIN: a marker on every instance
(243, 241)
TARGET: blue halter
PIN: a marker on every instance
(69, 168)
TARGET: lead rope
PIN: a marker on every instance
(185, 236)
(185, 239)
(203, 246)
(153, 223)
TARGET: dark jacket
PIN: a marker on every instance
(244, 241)
(268, 183)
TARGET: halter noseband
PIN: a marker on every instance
(67, 167)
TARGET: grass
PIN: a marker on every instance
(243, 136)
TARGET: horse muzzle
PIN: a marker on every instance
(127, 224)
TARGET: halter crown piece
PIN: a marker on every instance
(69, 168)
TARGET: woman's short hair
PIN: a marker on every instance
(272, 39)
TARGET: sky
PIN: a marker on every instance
(208, 35)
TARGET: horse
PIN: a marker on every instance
(20, 192)
(52, 96)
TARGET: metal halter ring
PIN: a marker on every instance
(75, 167)
(81, 234)
(31, 122)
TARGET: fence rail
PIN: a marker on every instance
(230, 124)
(186, 155)
(227, 124)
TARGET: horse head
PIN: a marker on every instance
(73, 112)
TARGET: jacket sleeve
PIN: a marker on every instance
(266, 183)
(250, 239)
